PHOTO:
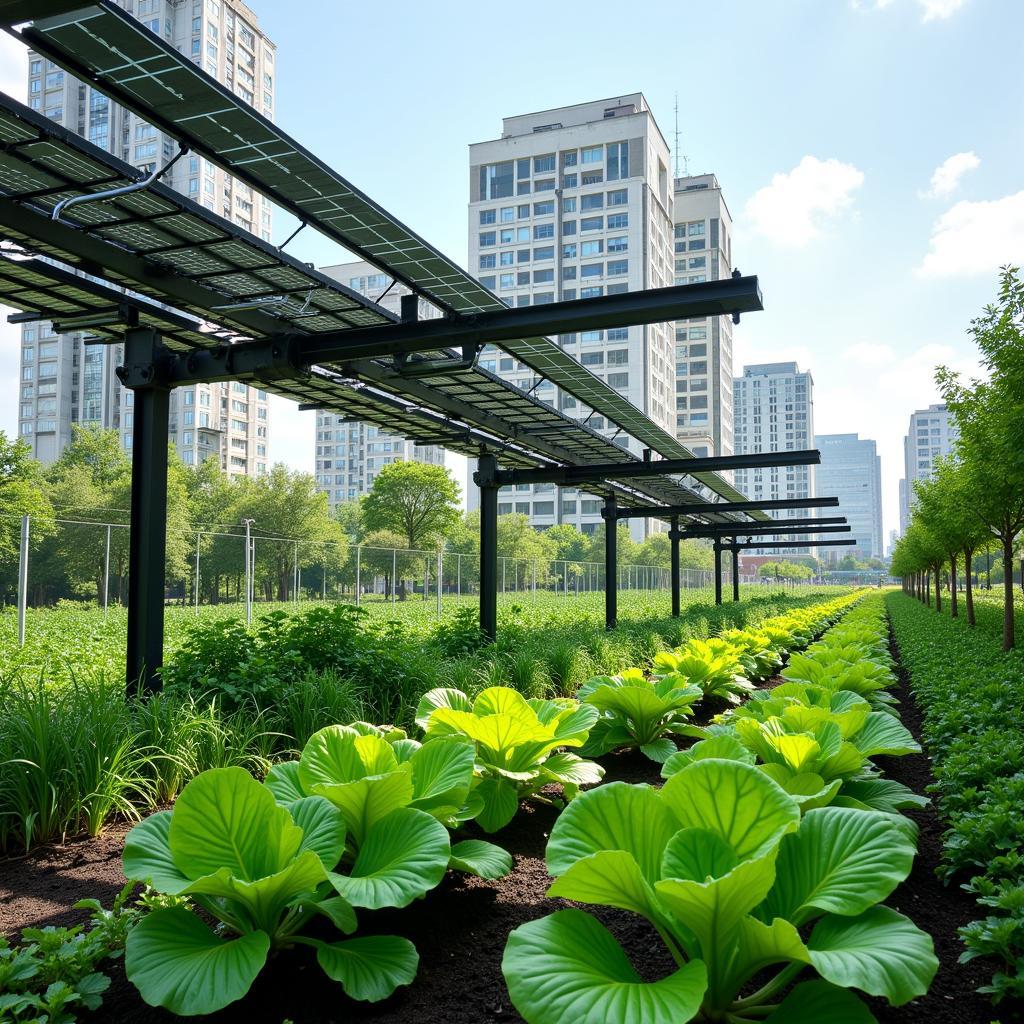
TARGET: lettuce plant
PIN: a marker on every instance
(737, 885)
(515, 741)
(637, 712)
(368, 771)
(262, 870)
(756, 651)
(712, 665)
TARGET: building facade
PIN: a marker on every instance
(703, 252)
(774, 411)
(349, 454)
(63, 380)
(568, 203)
(932, 434)
(851, 470)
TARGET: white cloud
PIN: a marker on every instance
(13, 67)
(939, 10)
(797, 204)
(976, 238)
(948, 174)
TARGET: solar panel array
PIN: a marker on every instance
(101, 43)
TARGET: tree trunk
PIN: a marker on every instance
(1008, 592)
(969, 583)
(938, 588)
(953, 611)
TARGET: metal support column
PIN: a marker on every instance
(718, 571)
(674, 536)
(611, 563)
(23, 577)
(147, 543)
(735, 573)
(487, 469)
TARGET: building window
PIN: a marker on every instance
(617, 267)
(569, 158)
(592, 155)
(544, 252)
(487, 216)
(496, 180)
(544, 209)
(618, 160)
(619, 197)
(543, 231)
(488, 261)
(594, 201)
(592, 270)
(543, 276)
(618, 221)
(543, 164)
(593, 248)
(488, 238)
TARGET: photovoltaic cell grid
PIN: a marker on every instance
(103, 44)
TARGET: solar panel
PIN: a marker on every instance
(101, 44)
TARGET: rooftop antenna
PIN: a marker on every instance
(678, 155)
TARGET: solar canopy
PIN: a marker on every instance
(100, 43)
(159, 245)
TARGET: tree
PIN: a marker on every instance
(571, 544)
(519, 541)
(784, 571)
(381, 553)
(21, 494)
(419, 501)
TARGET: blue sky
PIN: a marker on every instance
(825, 121)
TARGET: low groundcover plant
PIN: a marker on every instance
(721, 863)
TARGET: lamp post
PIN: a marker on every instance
(248, 523)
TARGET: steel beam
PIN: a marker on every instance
(710, 507)
(773, 526)
(735, 572)
(718, 571)
(728, 538)
(572, 476)
(147, 543)
(674, 536)
(611, 564)
(488, 549)
(797, 543)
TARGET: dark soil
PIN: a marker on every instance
(460, 928)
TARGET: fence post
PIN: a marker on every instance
(248, 570)
(196, 584)
(359, 585)
(440, 570)
(106, 573)
(23, 579)
(295, 574)
(458, 577)
(394, 570)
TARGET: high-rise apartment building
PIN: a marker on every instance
(703, 252)
(65, 381)
(851, 470)
(932, 434)
(349, 453)
(568, 203)
(774, 411)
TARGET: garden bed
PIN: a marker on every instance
(461, 927)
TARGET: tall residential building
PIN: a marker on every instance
(577, 202)
(774, 411)
(851, 469)
(349, 453)
(703, 252)
(931, 435)
(63, 380)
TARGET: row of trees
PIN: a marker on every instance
(976, 497)
(412, 508)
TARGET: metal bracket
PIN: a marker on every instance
(407, 367)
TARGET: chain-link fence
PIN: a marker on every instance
(87, 561)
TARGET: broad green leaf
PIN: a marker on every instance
(760, 945)
(323, 828)
(737, 801)
(403, 857)
(369, 968)
(697, 854)
(176, 962)
(713, 907)
(339, 911)
(404, 748)
(480, 858)
(442, 772)
(723, 746)
(224, 818)
(841, 861)
(366, 801)
(807, 788)
(817, 1002)
(882, 794)
(339, 754)
(615, 816)
(640, 704)
(659, 751)
(572, 769)
(497, 735)
(441, 697)
(283, 781)
(147, 855)
(883, 734)
(609, 878)
(568, 967)
(573, 723)
(500, 803)
(503, 700)
(881, 952)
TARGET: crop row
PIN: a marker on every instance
(972, 696)
(362, 819)
(74, 752)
